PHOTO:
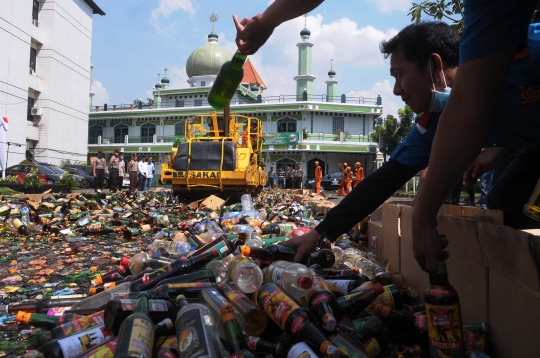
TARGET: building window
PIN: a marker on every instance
(286, 124)
(338, 124)
(93, 133)
(311, 124)
(179, 103)
(364, 129)
(35, 10)
(203, 83)
(179, 129)
(31, 103)
(198, 103)
(147, 132)
(33, 57)
(120, 132)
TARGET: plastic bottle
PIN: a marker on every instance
(195, 322)
(254, 240)
(375, 245)
(295, 279)
(246, 275)
(25, 215)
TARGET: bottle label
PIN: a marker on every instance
(444, 327)
(106, 350)
(372, 347)
(166, 349)
(420, 323)
(57, 311)
(342, 285)
(347, 348)
(286, 249)
(76, 344)
(192, 339)
(320, 297)
(298, 323)
(301, 350)
(141, 338)
(276, 304)
(234, 295)
(127, 304)
(83, 323)
(252, 342)
(157, 306)
(275, 274)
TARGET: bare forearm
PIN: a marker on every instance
(283, 10)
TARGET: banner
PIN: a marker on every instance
(280, 138)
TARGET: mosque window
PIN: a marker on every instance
(198, 103)
(203, 83)
(120, 132)
(179, 103)
(93, 133)
(286, 124)
(147, 132)
(338, 124)
(179, 128)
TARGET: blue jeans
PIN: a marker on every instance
(147, 184)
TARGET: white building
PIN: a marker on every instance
(45, 73)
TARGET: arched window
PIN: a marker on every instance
(93, 133)
(179, 129)
(147, 132)
(286, 124)
(120, 132)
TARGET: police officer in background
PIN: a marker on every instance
(100, 167)
(299, 176)
(281, 177)
(289, 178)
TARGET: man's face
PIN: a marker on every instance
(413, 84)
(116, 154)
(149, 160)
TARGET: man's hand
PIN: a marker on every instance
(486, 161)
(251, 34)
(95, 175)
(304, 245)
(428, 244)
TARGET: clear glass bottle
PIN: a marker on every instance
(295, 279)
(246, 274)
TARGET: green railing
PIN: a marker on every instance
(336, 137)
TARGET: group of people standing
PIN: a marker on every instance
(346, 184)
(290, 179)
(140, 172)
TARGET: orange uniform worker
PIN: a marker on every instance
(341, 190)
(318, 177)
(359, 173)
(253, 133)
(347, 185)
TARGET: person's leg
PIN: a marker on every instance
(456, 192)
(470, 192)
(513, 188)
(114, 180)
(148, 184)
(100, 176)
(132, 182)
(141, 182)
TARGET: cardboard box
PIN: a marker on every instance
(390, 217)
(473, 211)
(213, 203)
(377, 214)
(447, 209)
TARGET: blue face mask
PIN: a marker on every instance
(438, 99)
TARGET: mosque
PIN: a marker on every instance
(298, 128)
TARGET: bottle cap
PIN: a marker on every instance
(97, 281)
(382, 310)
(124, 261)
(379, 288)
(245, 250)
(329, 322)
(23, 317)
(92, 291)
(305, 282)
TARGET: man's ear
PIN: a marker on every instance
(436, 63)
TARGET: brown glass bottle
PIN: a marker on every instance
(356, 303)
(270, 253)
(324, 257)
(36, 306)
(443, 314)
(292, 318)
(256, 318)
(110, 276)
(414, 327)
(342, 274)
(373, 334)
(320, 301)
(20, 227)
(261, 346)
(349, 346)
(116, 311)
(176, 268)
(136, 336)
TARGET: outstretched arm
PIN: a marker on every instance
(253, 33)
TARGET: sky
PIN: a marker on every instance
(138, 39)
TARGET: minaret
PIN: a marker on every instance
(331, 84)
(157, 95)
(304, 80)
(165, 81)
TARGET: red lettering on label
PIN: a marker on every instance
(252, 342)
(320, 299)
(297, 324)
(440, 292)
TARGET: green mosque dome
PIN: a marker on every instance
(165, 80)
(305, 32)
(207, 59)
(331, 73)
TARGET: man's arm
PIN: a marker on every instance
(461, 132)
(253, 33)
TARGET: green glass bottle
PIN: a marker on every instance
(227, 81)
(443, 315)
(136, 336)
(236, 342)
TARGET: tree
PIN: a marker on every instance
(451, 10)
(391, 131)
